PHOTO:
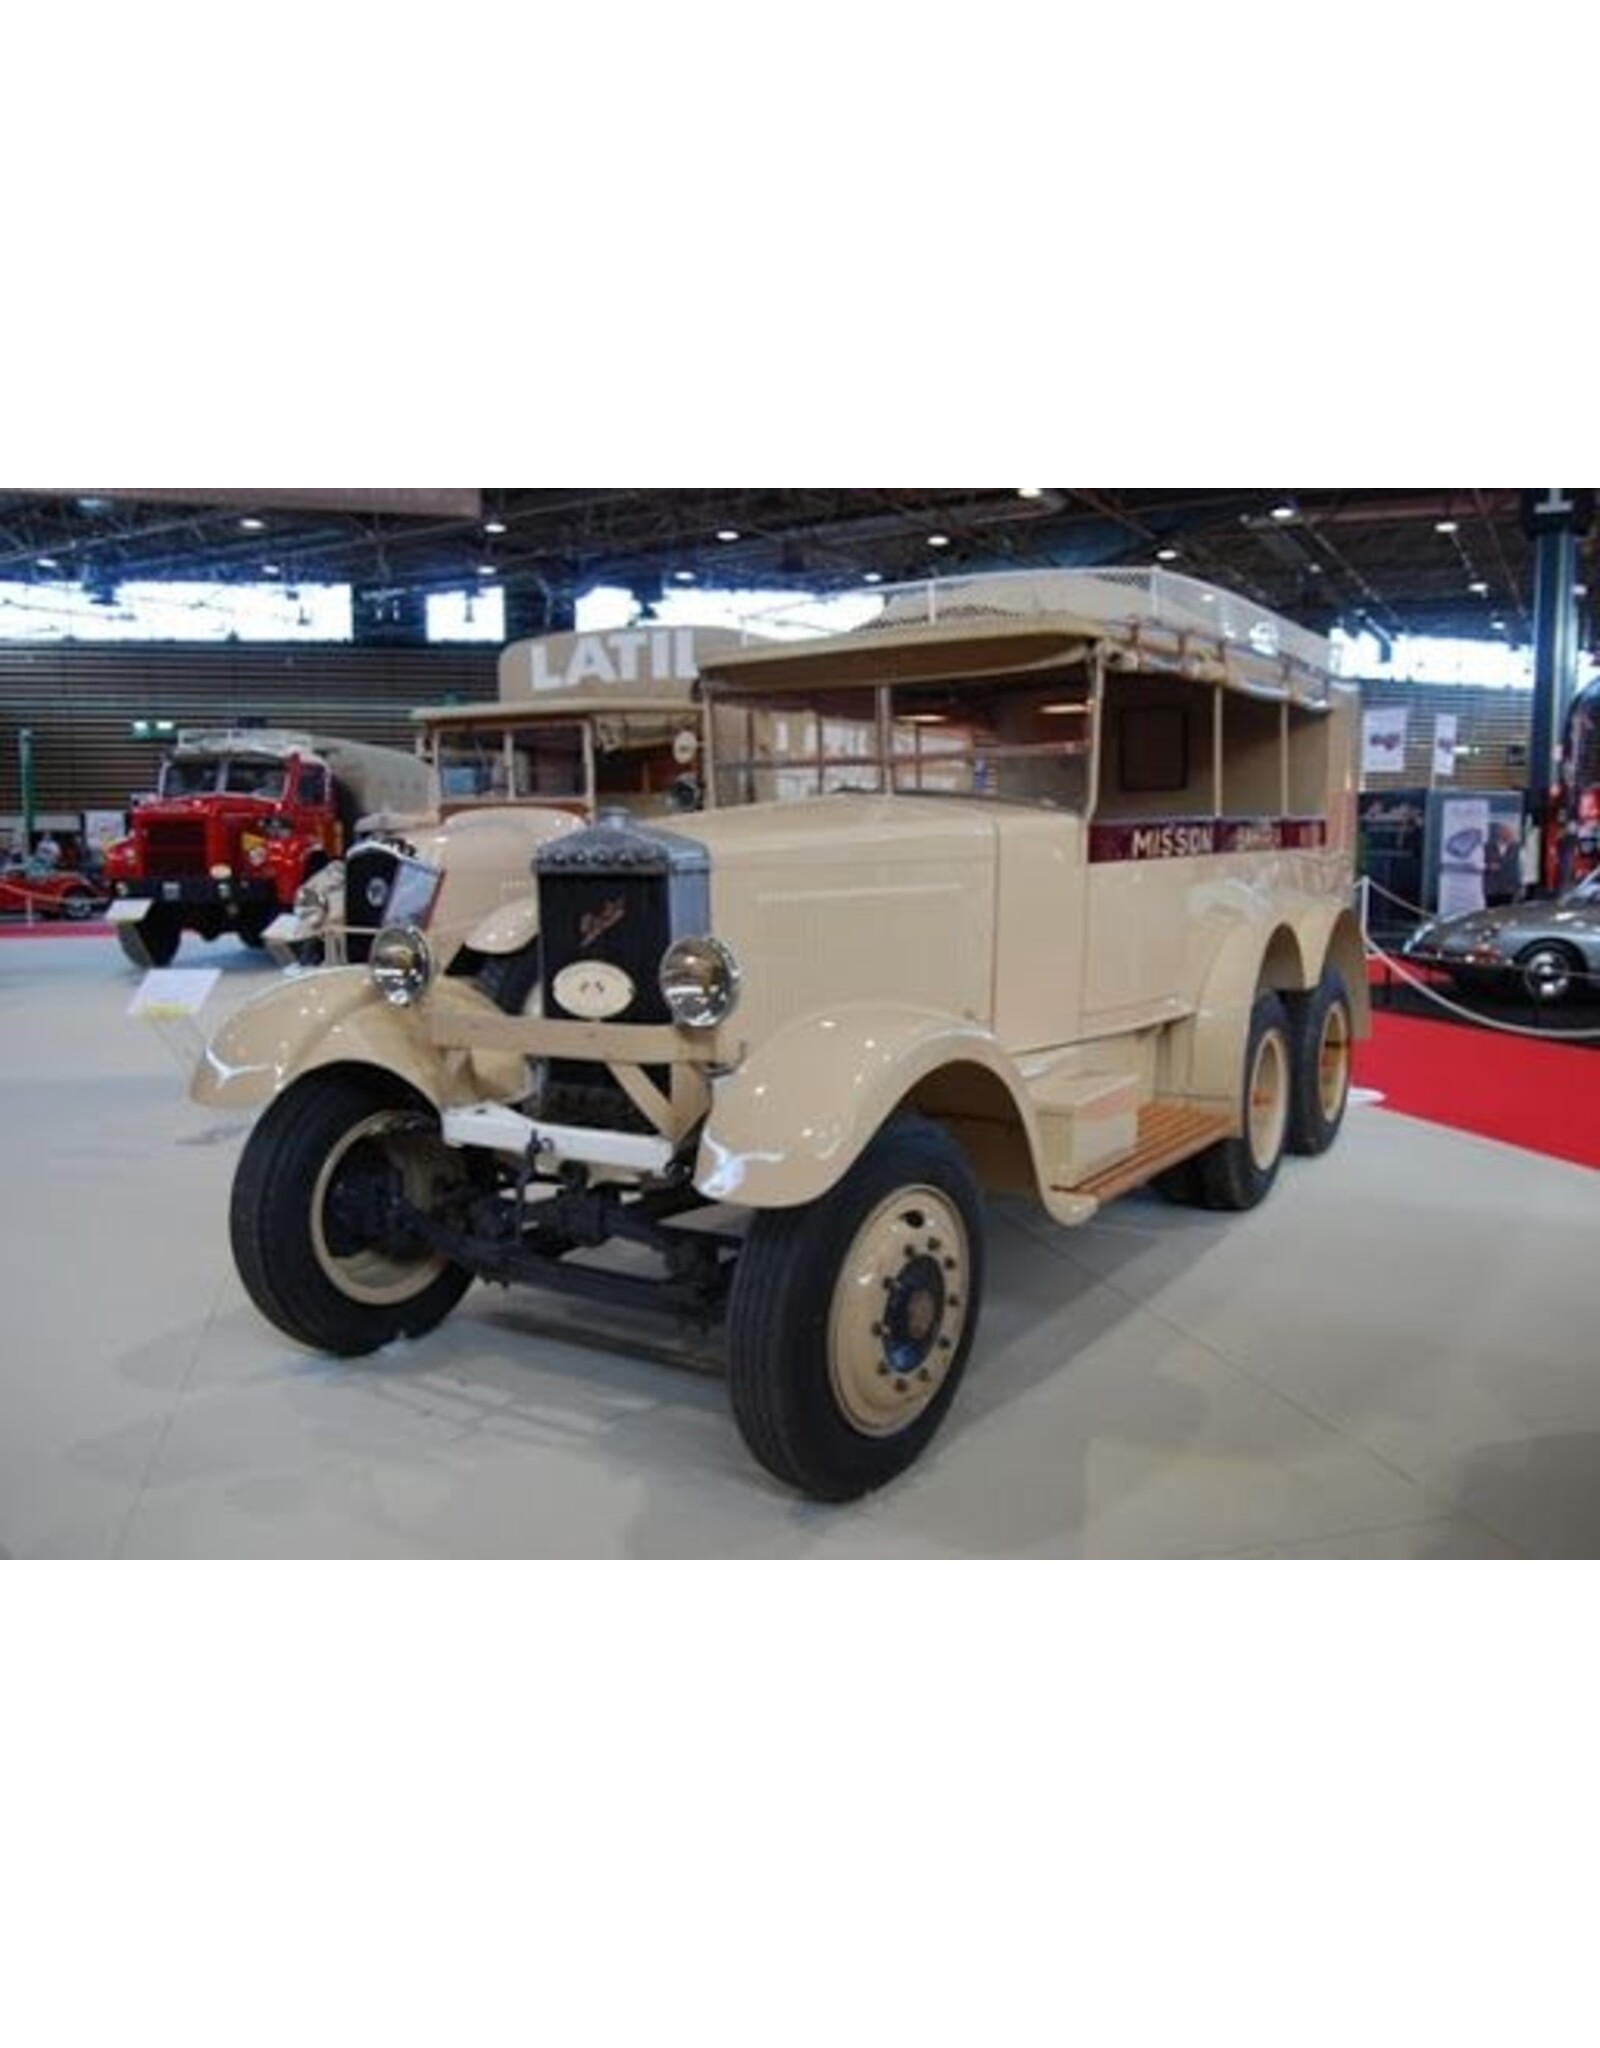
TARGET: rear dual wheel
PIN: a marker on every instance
(1322, 1046)
(1296, 1089)
(1240, 1172)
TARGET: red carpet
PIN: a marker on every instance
(60, 930)
(1530, 1092)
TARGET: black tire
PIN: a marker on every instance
(1547, 972)
(153, 941)
(306, 1261)
(1239, 1173)
(1322, 1050)
(1180, 1185)
(510, 980)
(836, 1388)
(79, 905)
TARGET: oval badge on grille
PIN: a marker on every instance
(594, 990)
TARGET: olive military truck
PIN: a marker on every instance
(1038, 885)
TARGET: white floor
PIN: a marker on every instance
(1395, 1357)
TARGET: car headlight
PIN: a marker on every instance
(314, 899)
(401, 963)
(700, 983)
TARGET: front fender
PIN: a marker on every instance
(337, 1018)
(508, 929)
(797, 1115)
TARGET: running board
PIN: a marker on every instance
(1169, 1133)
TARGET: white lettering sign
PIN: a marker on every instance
(610, 660)
(1173, 842)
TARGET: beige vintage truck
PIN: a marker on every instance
(582, 721)
(1039, 885)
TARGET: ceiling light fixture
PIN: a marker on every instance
(1285, 514)
(1479, 589)
(873, 576)
(728, 534)
(938, 540)
(1448, 526)
(252, 526)
(271, 569)
(683, 575)
(1166, 554)
(1033, 491)
(494, 526)
(487, 569)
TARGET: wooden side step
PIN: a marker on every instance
(1169, 1133)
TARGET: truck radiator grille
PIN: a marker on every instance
(173, 850)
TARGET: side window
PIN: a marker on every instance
(314, 786)
(1158, 760)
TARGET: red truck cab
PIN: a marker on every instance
(240, 822)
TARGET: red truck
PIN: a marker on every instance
(241, 820)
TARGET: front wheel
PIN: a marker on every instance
(316, 1237)
(153, 941)
(1548, 973)
(851, 1318)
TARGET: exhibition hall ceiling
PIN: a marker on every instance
(1434, 560)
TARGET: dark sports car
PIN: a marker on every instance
(1549, 951)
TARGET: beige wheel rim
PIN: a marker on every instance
(900, 1308)
(1268, 1100)
(371, 1273)
(1333, 1062)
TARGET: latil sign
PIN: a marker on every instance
(639, 655)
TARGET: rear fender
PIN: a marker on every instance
(339, 1018)
(1288, 956)
(1332, 939)
(791, 1122)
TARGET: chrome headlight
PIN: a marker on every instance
(700, 983)
(315, 898)
(401, 964)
